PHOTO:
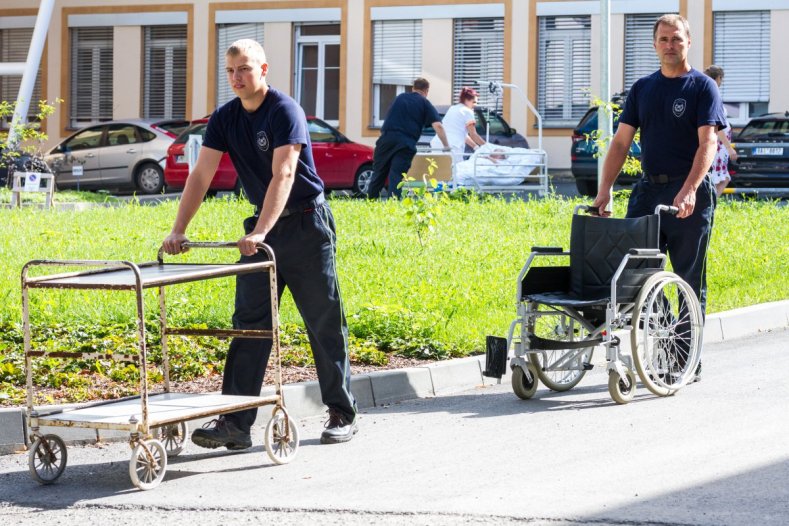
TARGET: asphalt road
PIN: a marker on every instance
(717, 453)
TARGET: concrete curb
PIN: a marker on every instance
(383, 388)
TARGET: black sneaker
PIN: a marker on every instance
(338, 429)
(221, 432)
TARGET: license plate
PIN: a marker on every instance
(180, 159)
(768, 151)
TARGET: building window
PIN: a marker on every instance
(479, 57)
(640, 57)
(564, 69)
(14, 45)
(741, 46)
(164, 72)
(397, 61)
(226, 34)
(318, 70)
(91, 75)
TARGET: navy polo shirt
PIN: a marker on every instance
(251, 137)
(669, 112)
(408, 114)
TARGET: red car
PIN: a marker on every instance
(340, 162)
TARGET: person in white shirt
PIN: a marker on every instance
(461, 126)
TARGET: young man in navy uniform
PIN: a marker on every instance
(679, 112)
(265, 133)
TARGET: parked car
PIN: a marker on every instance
(341, 163)
(583, 163)
(176, 167)
(500, 130)
(116, 154)
(762, 153)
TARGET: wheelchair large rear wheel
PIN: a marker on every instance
(561, 370)
(667, 332)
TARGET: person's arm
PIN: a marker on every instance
(197, 184)
(283, 168)
(726, 144)
(473, 139)
(614, 160)
(686, 197)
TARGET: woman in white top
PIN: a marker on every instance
(719, 171)
(461, 126)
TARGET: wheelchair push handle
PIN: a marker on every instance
(673, 210)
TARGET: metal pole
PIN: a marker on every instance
(31, 67)
(604, 117)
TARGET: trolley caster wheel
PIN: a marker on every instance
(148, 464)
(173, 437)
(47, 459)
(524, 383)
(281, 438)
(621, 389)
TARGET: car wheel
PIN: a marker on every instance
(361, 182)
(149, 178)
(586, 187)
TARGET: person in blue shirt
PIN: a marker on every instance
(396, 147)
(679, 112)
(265, 133)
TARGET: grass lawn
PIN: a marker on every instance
(443, 297)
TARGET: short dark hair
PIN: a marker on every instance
(671, 20)
(714, 72)
(467, 93)
(421, 84)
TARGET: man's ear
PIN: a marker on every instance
(263, 69)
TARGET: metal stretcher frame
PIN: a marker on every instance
(139, 414)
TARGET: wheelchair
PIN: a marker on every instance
(615, 283)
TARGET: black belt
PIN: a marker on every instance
(300, 208)
(664, 178)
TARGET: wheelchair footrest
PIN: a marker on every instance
(495, 357)
(542, 344)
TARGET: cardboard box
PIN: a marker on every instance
(420, 164)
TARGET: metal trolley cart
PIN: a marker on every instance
(156, 422)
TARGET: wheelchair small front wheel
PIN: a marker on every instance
(524, 383)
(622, 389)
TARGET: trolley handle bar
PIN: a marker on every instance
(215, 244)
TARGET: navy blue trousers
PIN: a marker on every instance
(685, 240)
(304, 247)
(392, 158)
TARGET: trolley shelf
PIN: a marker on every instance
(163, 409)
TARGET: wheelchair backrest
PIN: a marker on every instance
(597, 246)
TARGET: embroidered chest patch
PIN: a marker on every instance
(262, 141)
(679, 107)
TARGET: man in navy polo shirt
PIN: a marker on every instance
(265, 133)
(396, 147)
(679, 112)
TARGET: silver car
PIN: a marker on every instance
(115, 154)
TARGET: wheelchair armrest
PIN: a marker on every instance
(649, 252)
(547, 250)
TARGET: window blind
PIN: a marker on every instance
(640, 56)
(164, 72)
(91, 75)
(478, 56)
(397, 51)
(741, 46)
(14, 45)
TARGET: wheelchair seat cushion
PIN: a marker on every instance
(565, 299)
